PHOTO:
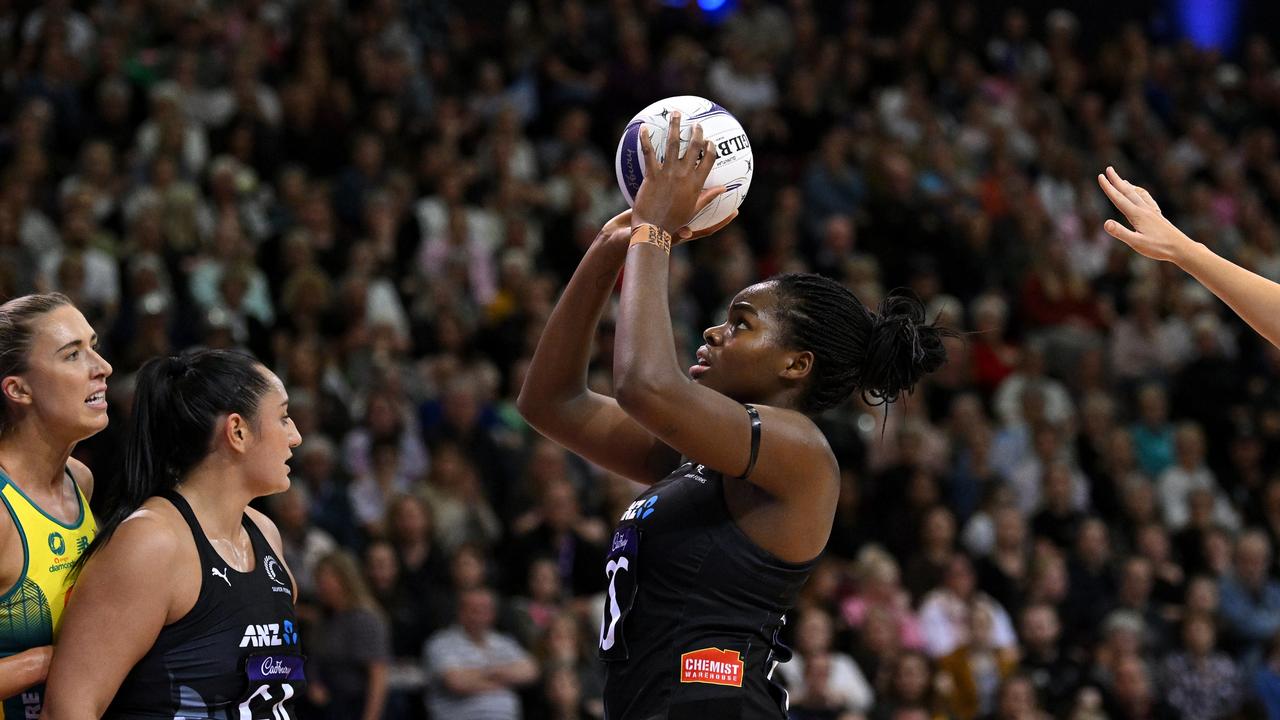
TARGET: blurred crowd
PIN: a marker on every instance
(1077, 517)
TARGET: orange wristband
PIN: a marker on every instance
(651, 235)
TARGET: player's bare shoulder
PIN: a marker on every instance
(82, 475)
(11, 552)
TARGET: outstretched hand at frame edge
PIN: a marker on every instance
(1152, 235)
(1253, 297)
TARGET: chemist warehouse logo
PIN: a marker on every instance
(712, 667)
(270, 635)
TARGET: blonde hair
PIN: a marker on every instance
(344, 567)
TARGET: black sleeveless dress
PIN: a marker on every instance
(693, 608)
(235, 656)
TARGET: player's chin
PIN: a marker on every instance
(278, 484)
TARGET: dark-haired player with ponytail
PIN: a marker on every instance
(184, 608)
(53, 387)
(743, 486)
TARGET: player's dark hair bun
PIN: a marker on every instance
(902, 348)
(880, 354)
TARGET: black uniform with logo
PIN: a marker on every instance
(235, 656)
(693, 608)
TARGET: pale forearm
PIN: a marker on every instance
(469, 682)
(1253, 297)
(375, 698)
(516, 674)
(22, 670)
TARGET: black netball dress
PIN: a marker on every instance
(693, 608)
(235, 656)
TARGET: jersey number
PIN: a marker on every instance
(264, 692)
(613, 613)
(621, 569)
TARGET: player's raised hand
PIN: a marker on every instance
(671, 192)
(1152, 234)
(684, 234)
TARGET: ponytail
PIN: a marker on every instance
(178, 405)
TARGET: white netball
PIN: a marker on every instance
(734, 163)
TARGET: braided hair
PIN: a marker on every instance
(881, 354)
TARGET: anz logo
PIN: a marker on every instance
(639, 509)
(269, 635)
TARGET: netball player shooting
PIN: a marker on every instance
(743, 486)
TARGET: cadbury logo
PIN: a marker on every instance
(271, 666)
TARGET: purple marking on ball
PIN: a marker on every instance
(632, 173)
(715, 108)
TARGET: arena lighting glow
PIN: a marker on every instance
(711, 7)
(1209, 23)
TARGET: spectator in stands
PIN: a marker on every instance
(1133, 694)
(1189, 472)
(565, 644)
(474, 671)
(462, 513)
(946, 612)
(304, 543)
(349, 648)
(879, 588)
(841, 685)
(558, 530)
(976, 669)
(1016, 700)
(1200, 681)
(910, 686)
(1251, 598)
(1053, 674)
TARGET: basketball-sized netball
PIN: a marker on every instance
(733, 165)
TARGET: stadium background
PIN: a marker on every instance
(1077, 516)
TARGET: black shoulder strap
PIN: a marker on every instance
(202, 542)
(755, 440)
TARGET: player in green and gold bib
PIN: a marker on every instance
(53, 388)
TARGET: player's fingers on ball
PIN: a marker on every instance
(709, 194)
(673, 136)
(695, 141)
(646, 149)
(708, 161)
(717, 227)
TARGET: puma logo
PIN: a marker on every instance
(222, 574)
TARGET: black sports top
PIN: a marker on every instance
(693, 609)
(235, 656)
